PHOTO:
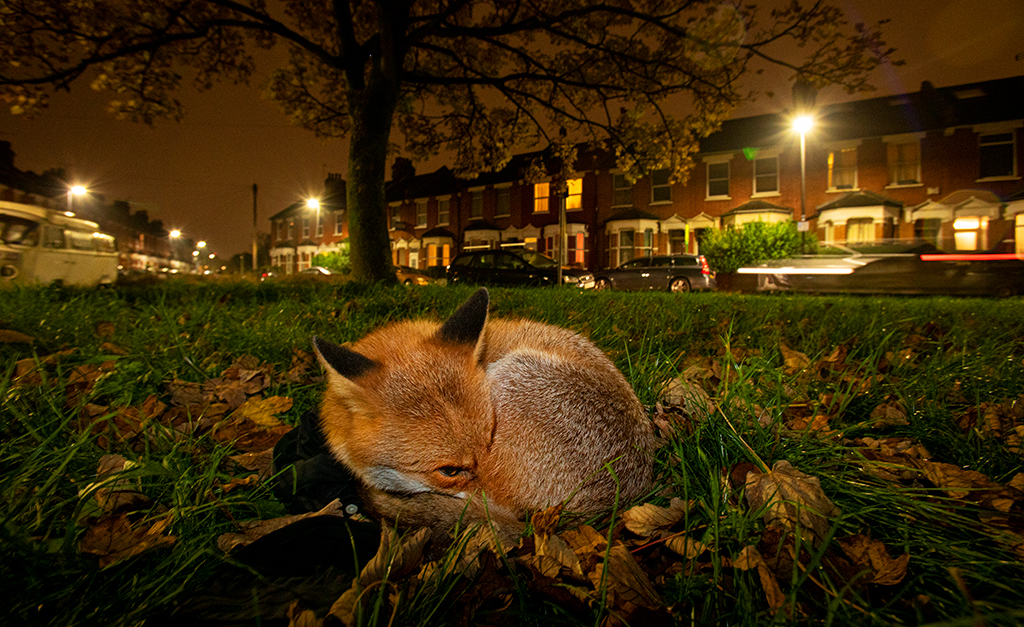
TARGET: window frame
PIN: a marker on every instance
(541, 204)
(757, 193)
(621, 189)
(503, 201)
(832, 168)
(709, 179)
(421, 213)
(1011, 142)
(892, 166)
(662, 187)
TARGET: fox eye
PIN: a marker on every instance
(450, 471)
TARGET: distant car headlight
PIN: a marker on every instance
(570, 279)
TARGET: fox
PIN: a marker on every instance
(479, 420)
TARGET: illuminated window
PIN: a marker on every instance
(969, 232)
(860, 230)
(905, 163)
(574, 195)
(842, 169)
(541, 192)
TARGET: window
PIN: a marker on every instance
(969, 232)
(574, 194)
(503, 203)
(421, 213)
(661, 189)
(622, 191)
(928, 229)
(676, 241)
(396, 215)
(476, 205)
(996, 154)
(905, 163)
(648, 242)
(766, 175)
(860, 230)
(842, 169)
(291, 229)
(339, 223)
(625, 246)
(319, 225)
(541, 191)
(305, 228)
(718, 179)
(443, 209)
(438, 255)
(576, 245)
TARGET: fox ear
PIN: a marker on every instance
(341, 360)
(467, 323)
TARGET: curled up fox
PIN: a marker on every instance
(478, 419)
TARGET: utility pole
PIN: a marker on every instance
(255, 231)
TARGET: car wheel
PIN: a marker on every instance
(679, 285)
(602, 284)
(408, 282)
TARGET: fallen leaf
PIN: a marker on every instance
(889, 414)
(115, 494)
(791, 499)
(794, 361)
(15, 337)
(396, 557)
(872, 555)
(624, 580)
(647, 519)
(298, 617)
(254, 530)
(263, 411)
(114, 538)
(686, 546)
(105, 329)
(262, 462)
(749, 559)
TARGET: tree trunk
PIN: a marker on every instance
(372, 111)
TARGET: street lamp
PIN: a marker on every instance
(175, 233)
(74, 190)
(802, 124)
(201, 244)
(314, 203)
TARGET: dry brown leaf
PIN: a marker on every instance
(252, 531)
(1017, 481)
(624, 580)
(748, 559)
(263, 411)
(961, 483)
(396, 557)
(262, 462)
(114, 538)
(15, 337)
(115, 494)
(794, 361)
(689, 395)
(889, 414)
(647, 519)
(298, 617)
(791, 499)
(686, 546)
(872, 555)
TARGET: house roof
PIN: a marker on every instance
(862, 198)
(964, 196)
(631, 214)
(758, 206)
(438, 231)
(931, 108)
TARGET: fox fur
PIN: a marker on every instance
(478, 419)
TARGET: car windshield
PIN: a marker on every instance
(538, 260)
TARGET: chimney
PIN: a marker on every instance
(402, 169)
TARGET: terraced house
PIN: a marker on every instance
(941, 164)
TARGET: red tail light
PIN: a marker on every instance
(704, 267)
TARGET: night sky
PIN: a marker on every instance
(197, 175)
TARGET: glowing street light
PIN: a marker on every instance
(314, 203)
(75, 190)
(201, 244)
(803, 124)
(175, 233)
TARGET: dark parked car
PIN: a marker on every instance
(676, 273)
(507, 268)
(411, 276)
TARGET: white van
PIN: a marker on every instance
(43, 246)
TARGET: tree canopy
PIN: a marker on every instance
(477, 79)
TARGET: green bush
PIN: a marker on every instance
(334, 261)
(730, 249)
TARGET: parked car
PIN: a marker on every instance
(411, 276)
(675, 273)
(507, 268)
(919, 269)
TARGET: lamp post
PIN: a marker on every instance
(314, 203)
(802, 124)
(74, 190)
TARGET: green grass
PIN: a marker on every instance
(944, 360)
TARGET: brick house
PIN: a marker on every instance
(299, 232)
(941, 164)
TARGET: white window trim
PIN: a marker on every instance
(768, 153)
(391, 214)
(999, 129)
(709, 161)
(438, 209)
(904, 138)
(669, 185)
(630, 188)
(837, 147)
(426, 212)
